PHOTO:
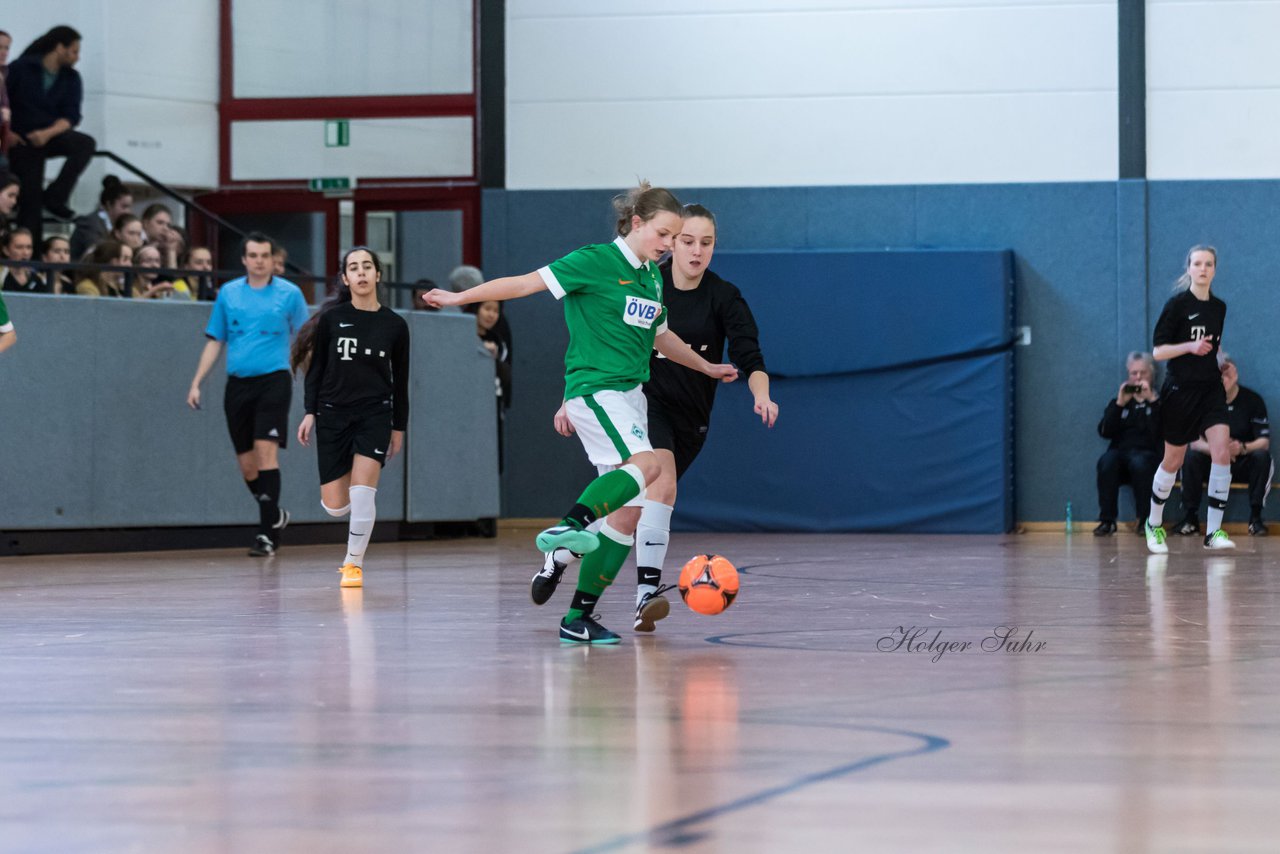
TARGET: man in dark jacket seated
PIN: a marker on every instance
(1132, 422)
(1251, 461)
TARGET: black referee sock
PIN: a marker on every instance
(254, 485)
(268, 500)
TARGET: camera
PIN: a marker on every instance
(1132, 389)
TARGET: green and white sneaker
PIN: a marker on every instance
(1155, 539)
(1218, 540)
(567, 537)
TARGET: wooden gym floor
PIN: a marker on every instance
(209, 702)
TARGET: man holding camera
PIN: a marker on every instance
(1132, 422)
(1251, 461)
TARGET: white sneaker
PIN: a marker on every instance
(1218, 540)
(1155, 538)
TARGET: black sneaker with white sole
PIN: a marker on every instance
(546, 579)
(653, 607)
(263, 546)
(585, 629)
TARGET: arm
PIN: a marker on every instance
(400, 395)
(670, 345)
(7, 340)
(1165, 352)
(758, 382)
(508, 287)
(1261, 440)
(208, 358)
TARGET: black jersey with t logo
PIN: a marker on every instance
(1184, 319)
(704, 318)
(360, 358)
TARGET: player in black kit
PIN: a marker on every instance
(1188, 335)
(356, 355)
(705, 311)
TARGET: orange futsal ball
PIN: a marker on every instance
(708, 584)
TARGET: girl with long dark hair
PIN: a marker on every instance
(355, 352)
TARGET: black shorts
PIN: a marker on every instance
(1188, 409)
(258, 408)
(340, 435)
(681, 436)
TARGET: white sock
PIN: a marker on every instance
(364, 510)
(1219, 490)
(1161, 486)
(652, 536)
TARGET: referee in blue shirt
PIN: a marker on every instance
(254, 318)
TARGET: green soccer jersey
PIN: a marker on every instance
(5, 324)
(613, 308)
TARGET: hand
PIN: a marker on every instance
(37, 138)
(491, 347)
(11, 139)
(1237, 448)
(438, 298)
(397, 442)
(308, 423)
(725, 373)
(193, 396)
(561, 421)
(1200, 347)
(767, 410)
(1123, 395)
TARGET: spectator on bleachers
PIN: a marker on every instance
(128, 230)
(16, 246)
(157, 227)
(57, 250)
(1251, 461)
(195, 287)
(7, 136)
(279, 260)
(1132, 422)
(114, 201)
(8, 199)
(465, 276)
(149, 285)
(45, 94)
(97, 283)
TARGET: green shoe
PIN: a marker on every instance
(568, 537)
(1155, 539)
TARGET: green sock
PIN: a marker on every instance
(609, 492)
(597, 571)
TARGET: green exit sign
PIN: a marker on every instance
(337, 133)
(329, 184)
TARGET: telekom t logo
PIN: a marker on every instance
(346, 346)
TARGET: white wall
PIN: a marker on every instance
(753, 93)
(1213, 89)
(150, 74)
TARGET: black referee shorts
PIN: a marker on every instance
(681, 436)
(258, 408)
(1188, 409)
(340, 435)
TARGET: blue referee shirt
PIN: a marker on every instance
(257, 324)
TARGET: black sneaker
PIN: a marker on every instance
(545, 581)
(1257, 528)
(1189, 526)
(262, 546)
(653, 607)
(585, 629)
(1104, 529)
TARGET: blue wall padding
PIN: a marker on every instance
(925, 449)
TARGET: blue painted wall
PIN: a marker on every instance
(1094, 265)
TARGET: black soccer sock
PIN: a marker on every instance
(268, 501)
(579, 517)
(254, 485)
